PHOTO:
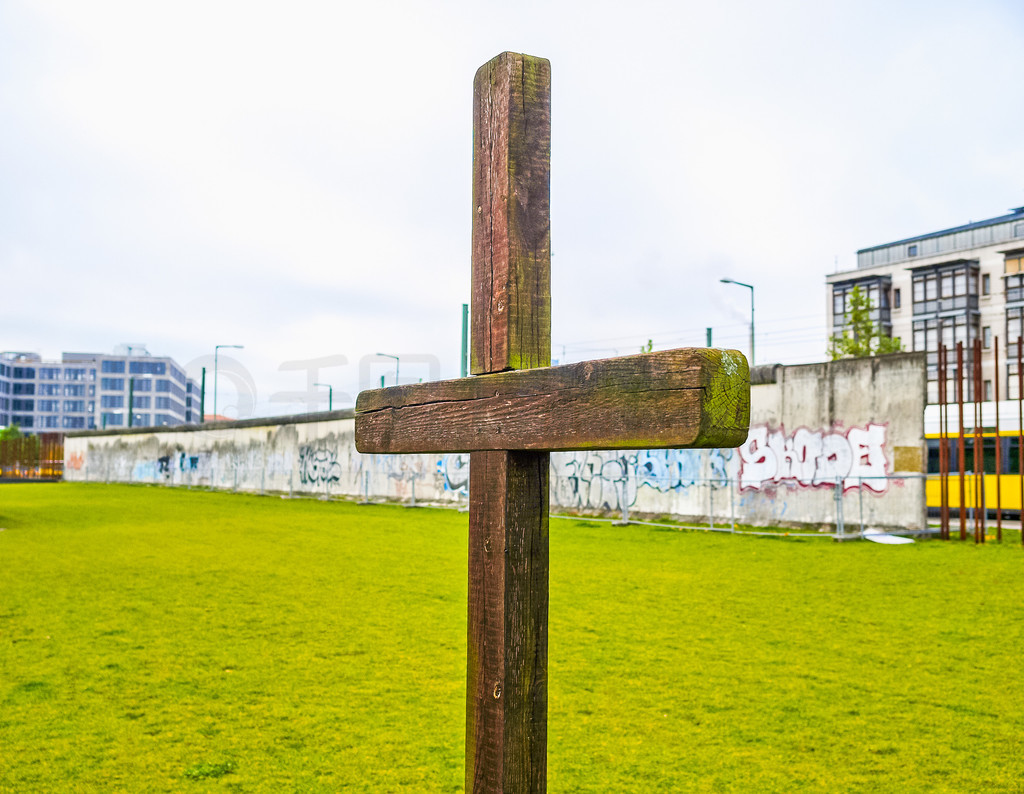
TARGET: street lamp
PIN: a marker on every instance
(330, 395)
(388, 355)
(216, 351)
(751, 288)
(131, 385)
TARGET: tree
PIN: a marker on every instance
(10, 432)
(861, 337)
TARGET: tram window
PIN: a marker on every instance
(1011, 456)
(933, 455)
(988, 453)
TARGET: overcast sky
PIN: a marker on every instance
(295, 177)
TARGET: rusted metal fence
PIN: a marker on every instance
(38, 457)
(990, 481)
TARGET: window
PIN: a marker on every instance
(143, 384)
(162, 403)
(896, 298)
(51, 406)
(163, 419)
(986, 337)
(21, 421)
(48, 421)
(23, 405)
(74, 406)
(112, 384)
(112, 366)
(49, 373)
(112, 401)
(877, 290)
(74, 422)
(25, 372)
(74, 374)
(912, 250)
(49, 389)
(986, 284)
(74, 391)
(112, 420)
(140, 420)
(944, 288)
(1018, 230)
(140, 402)
(1014, 286)
(147, 368)
(24, 388)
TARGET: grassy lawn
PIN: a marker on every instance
(165, 640)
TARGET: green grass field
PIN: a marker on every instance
(166, 640)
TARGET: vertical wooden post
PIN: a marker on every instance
(506, 697)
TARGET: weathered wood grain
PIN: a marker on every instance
(511, 316)
(691, 397)
(506, 701)
(506, 675)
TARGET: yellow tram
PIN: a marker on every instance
(994, 489)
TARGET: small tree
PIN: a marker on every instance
(861, 337)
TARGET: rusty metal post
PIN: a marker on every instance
(979, 465)
(943, 445)
(960, 442)
(1020, 432)
(999, 449)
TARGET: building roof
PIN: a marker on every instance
(1015, 214)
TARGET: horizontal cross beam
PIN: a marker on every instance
(690, 397)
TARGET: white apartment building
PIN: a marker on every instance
(949, 286)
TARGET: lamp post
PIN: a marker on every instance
(131, 385)
(751, 288)
(216, 351)
(330, 395)
(388, 355)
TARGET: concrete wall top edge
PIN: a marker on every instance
(265, 421)
(914, 358)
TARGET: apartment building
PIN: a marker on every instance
(944, 287)
(85, 391)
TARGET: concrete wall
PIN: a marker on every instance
(858, 424)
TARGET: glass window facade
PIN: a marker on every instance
(945, 298)
(878, 290)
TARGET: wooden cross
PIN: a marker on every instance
(518, 408)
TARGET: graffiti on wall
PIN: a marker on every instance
(815, 458)
(454, 470)
(611, 480)
(318, 465)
